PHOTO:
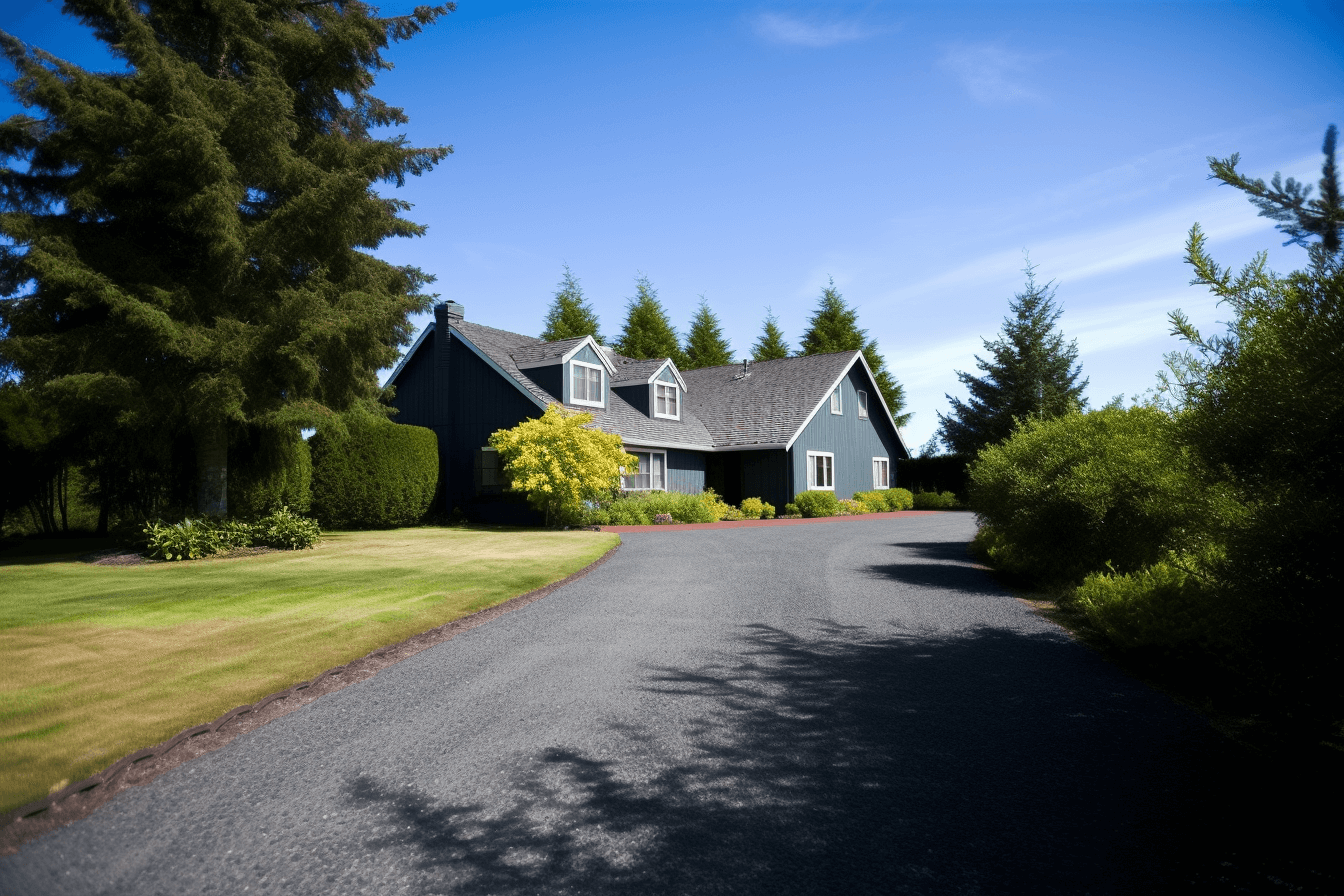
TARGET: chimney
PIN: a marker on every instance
(746, 367)
(452, 310)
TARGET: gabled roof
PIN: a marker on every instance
(545, 354)
(722, 408)
(501, 347)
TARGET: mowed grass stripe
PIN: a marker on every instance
(101, 661)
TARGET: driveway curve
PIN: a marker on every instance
(833, 708)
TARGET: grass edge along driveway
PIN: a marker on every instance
(100, 661)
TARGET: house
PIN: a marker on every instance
(768, 429)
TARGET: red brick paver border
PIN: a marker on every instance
(748, 524)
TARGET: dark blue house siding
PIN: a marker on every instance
(551, 378)
(637, 397)
(854, 442)
(685, 471)
(414, 398)
(484, 402)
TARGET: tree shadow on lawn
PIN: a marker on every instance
(844, 762)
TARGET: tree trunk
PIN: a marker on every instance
(103, 501)
(212, 471)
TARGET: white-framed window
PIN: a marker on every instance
(881, 473)
(863, 405)
(835, 402)
(665, 403)
(821, 470)
(652, 473)
(585, 384)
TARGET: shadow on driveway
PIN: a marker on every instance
(849, 762)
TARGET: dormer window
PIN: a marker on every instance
(665, 401)
(586, 384)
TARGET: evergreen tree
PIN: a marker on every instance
(1031, 374)
(195, 230)
(570, 314)
(771, 345)
(705, 344)
(834, 327)
(648, 333)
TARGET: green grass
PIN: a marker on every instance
(100, 661)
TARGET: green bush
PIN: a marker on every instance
(817, 503)
(1068, 496)
(935, 501)
(286, 530)
(791, 509)
(756, 509)
(1158, 608)
(851, 507)
(377, 474)
(194, 539)
(270, 469)
(899, 499)
(640, 508)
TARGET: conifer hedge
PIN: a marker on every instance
(270, 469)
(375, 475)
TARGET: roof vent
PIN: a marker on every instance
(746, 367)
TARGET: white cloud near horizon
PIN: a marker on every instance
(784, 29)
(991, 73)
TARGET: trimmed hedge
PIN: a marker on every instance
(817, 503)
(270, 469)
(375, 475)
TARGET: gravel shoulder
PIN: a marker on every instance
(825, 708)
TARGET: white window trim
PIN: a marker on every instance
(583, 401)
(837, 402)
(887, 461)
(649, 451)
(811, 469)
(654, 398)
(863, 405)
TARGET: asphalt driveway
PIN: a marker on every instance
(834, 708)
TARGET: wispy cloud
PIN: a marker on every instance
(991, 73)
(785, 29)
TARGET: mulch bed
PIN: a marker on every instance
(751, 524)
(143, 766)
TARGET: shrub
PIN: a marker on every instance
(756, 509)
(816, 503)
(873, 502)
(791, 509)
(560, 463)
(899, 499)
(935, 501)
(374, 474)
(641, 509)
(270, 469)
(194, 539)
(850, 507)
(285, 529)
(1068, 496)
(1160, 607)
(662, 519)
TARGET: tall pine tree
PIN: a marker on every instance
(771, 345)
(705, 343)
(193, 232)
(834, 327)
(570, 314)
(648, 332)
(1030, 373)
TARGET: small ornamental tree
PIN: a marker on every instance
(570, 314)
(771, 345)
(560, 462)
(648, 333)
(705, 343)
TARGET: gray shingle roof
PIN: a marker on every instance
(769, 406)
(544, 351)
(634, 369)
(503, 347)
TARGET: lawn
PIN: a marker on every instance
(100, 661)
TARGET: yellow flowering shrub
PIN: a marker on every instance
(561, 463)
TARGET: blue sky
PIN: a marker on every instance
(749, 151)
